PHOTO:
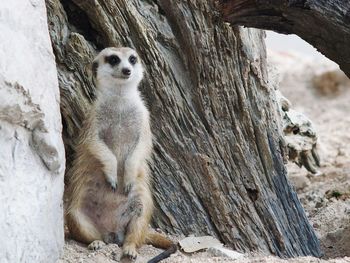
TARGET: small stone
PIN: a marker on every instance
(220, 251)
(319, 204)
(192, 244)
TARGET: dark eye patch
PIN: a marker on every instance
(113, 60)
(132, 59)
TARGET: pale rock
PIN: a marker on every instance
(193, 244)
(220, 251)
(32, 154)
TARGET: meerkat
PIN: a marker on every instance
(108, 194)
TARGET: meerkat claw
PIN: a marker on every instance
(127, 189)
(96, 245)
(113, 185)
(129, 251)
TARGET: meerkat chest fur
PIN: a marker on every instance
(120, 120)
(120, 117)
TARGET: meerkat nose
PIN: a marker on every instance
(126, 71)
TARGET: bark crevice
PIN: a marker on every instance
(79, 22)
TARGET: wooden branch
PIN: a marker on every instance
(322, 23)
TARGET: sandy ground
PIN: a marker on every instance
(325, 197)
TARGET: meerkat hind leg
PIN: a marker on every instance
(129, 210)
(135, 236)
(137, 228)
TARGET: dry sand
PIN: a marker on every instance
(326, 197)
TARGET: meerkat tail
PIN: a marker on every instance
(159, 241)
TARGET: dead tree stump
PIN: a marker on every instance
(218, 159)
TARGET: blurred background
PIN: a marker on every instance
(316, 87)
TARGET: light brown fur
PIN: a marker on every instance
(95, 211)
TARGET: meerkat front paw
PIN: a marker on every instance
(110, 173)
(129, 251)
(96, 245)
(112, 182)
(127, 187)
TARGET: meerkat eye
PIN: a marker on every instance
(113, 60)
(132, 59)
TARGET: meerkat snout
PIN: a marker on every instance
(117, 66)
(126, 72)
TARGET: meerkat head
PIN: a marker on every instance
(117, 66)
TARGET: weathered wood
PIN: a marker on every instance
(218, 165)
(322, 23)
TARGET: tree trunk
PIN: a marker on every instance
(218, 158)
(322, 23)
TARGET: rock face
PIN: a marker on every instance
(32, 154)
